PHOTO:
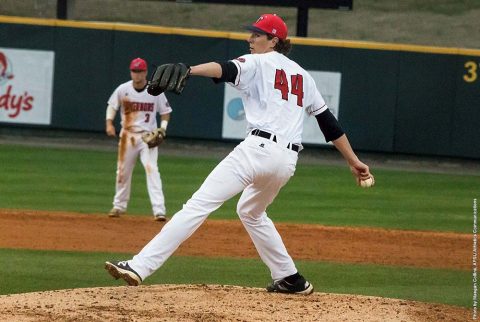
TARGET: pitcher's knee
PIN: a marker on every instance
(251, 221)
(242, 212)
(249, 217)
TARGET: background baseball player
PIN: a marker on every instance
(276, 93)
(138, 116)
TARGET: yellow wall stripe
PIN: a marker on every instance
(237, 35)
(27, 21)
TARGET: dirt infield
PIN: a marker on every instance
(80, 232)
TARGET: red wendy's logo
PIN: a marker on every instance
(5, 69)
(12, 102)
(240, 59)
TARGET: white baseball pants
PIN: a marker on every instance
(257, 166)
(130, 147)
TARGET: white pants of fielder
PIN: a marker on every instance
(130, 147)
(257, 166)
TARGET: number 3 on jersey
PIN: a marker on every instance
(281, 83)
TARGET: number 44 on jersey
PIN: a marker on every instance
(296, 82)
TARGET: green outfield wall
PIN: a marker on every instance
(392, 98)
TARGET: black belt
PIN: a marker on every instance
(266, 135)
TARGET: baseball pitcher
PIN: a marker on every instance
(276, 92)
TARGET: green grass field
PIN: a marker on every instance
(83, 181)
(29, 271)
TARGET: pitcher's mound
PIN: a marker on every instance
(213, 303)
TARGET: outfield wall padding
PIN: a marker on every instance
(401, 99)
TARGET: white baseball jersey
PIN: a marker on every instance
(276, 92)
(139, 114)
(138, 109)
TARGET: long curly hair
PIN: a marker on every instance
(283, 46)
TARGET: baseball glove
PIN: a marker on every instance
(168, 78)
(154, 138)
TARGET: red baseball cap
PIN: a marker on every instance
(270, 24)
(138, 64)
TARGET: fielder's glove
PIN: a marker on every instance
(168, 78)
(154, 138)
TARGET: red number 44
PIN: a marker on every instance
(281, 83)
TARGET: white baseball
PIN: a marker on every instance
(367, 183)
